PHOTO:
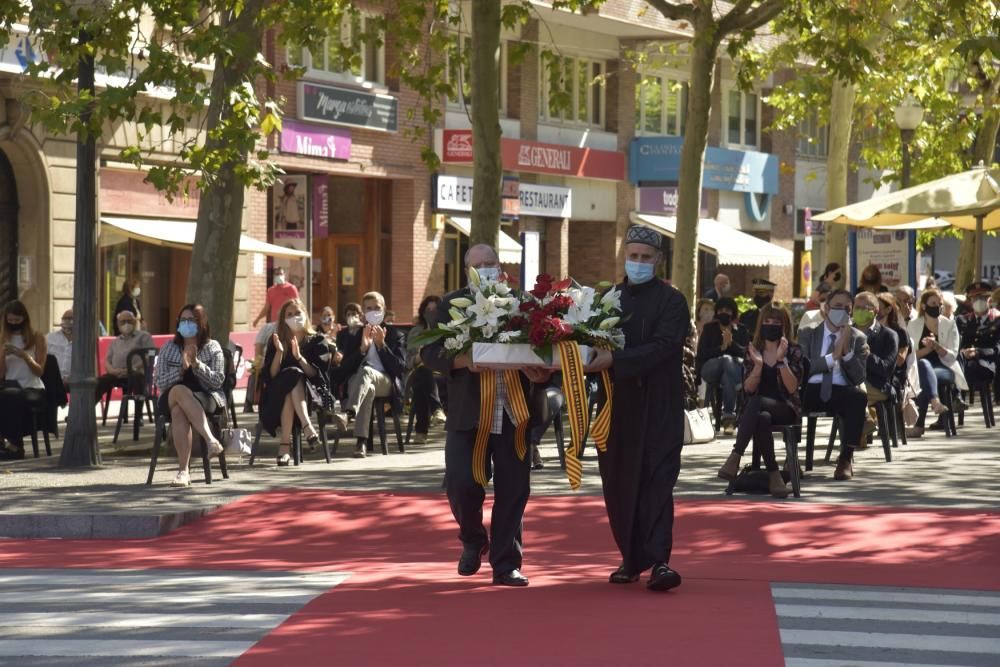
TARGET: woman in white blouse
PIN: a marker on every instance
(21, 366)
(935, 339)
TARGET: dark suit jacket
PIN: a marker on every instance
(710, 344)
(855, 369)
(392, 355)
(883, 345)
(463, 384)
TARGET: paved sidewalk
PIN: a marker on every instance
(43, 500)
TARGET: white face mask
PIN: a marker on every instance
(491, 273)
(374, 317)
(353, 320)
(328, 320)
(279, 279)
(296, 322)
(707, 315)
(980, 306)
(127, 328)
(136, 292)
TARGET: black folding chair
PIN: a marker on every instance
(214, 420)
(145, 358)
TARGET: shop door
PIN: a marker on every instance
(350, 273)
(8, 232)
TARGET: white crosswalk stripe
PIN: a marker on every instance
(871, 626)
(146, 617)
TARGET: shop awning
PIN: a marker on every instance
(180, 234)
(509, 250)
(731, 246)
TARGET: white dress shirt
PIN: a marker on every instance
(829, 337)
(61, 348)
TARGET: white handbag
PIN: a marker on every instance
(698, 427)
(236, 441)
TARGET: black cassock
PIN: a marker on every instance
(643, 456)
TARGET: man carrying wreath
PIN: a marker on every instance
(643, 456)
(510, 471)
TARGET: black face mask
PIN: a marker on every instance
(761, 300)
(724, 318)
(15, 327)
(933, 311)
(771, 332)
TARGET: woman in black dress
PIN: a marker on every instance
(772, 372)
(292, 375)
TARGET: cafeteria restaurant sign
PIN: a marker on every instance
(454, 193)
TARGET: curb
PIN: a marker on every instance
(97, 526)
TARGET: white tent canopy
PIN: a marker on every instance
(730, 245)
(180, 234)
(509, 250)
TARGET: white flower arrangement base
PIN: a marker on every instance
(518, 355)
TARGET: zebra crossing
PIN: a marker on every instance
(145, 617)
(872, 626)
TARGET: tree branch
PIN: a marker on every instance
(674, 11)
(751, 20)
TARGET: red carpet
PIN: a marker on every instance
(404, 602)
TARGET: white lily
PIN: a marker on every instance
(609, 323)
(461, 302)
(485, 311)
(612, 300)
(582, 309)
(501, 289)
(474, 277)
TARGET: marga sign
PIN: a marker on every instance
(537, 158)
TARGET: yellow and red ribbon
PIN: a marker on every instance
(487, 400)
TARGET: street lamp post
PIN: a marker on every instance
(909, 115)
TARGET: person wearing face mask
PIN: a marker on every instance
(720, 287)
(190, 372)
(643, 457)
(426, 395)
(883, 347)
(292, 380)
(22, 363)
(837, 358)
(116, 373)
(980, 336)
(936, 341)
(129, 300)
(721, 350)
(278, 294)
(705, 313)
(832, 275)
(763, 293)
(773, 372)
(904, 301)
(374, 365)
(871, 281)
(60, 344)
(906, 380)
(813, 316)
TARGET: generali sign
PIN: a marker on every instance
(538, 158)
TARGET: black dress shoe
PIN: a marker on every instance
(620, 576)
(512, 578)
(472, 559)
(662, 578)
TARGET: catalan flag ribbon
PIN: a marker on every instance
(574, 389)
(487, 399)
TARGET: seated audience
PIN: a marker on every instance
(60, 344)
(763, 293)
(292, 378)
(772, 371)
(21, 366)
(115, 372)
(705, 313)
(936, 341)
(424, 387)
(904, 301)
(190, 371)
(979, 335)
(373, 366)
(906, 379)
(721, 349)
(871, 281)
(837, 358)
(883, 348)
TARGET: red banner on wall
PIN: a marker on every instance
(538, 158)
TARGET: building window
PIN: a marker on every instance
(572, 90)
(460, 70)
(346, 56)
(742, 128)
(661, 105)
(812, 138)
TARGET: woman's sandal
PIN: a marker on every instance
(284, 459)
(312, 442)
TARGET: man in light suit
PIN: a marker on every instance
(837, 357)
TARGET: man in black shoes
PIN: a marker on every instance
(837, 358)
(643, 457)
(464, 482)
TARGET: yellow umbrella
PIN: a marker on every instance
(968, 200)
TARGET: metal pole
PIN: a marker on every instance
(978, 254)
(80, 445)
(906, 136)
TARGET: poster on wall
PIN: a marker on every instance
(889, 250)
(290, 218)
